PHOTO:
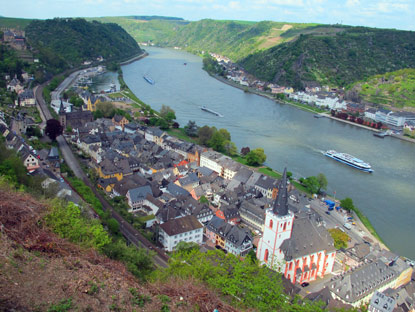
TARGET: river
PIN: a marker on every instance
(291, 138)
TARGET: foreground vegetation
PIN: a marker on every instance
(245, 283)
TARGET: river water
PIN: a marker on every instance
(291, 138)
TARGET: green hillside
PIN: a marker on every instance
(64, 43)
(235, 39)
(345, 56)
(395, 89)
(10, 22)
(146, 28)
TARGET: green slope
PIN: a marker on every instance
(64, 43)
(144, 28)
(11, 22)
(235, 39)
(345, 56)
(395, 89)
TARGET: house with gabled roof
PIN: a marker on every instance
(185, 229)
(119, 122)
(136, 196)
(229, 237)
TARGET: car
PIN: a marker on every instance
(305, 284)
(328, 212)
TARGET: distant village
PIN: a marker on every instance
(193, 194)
(323, 98)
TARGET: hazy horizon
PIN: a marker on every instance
(398, 14)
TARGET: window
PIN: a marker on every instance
(266, 255)
(285, 226)
(270, 223)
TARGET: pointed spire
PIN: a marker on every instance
(61, 109)
(281, 202)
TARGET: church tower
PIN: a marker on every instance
(278, 226)
(62, 115)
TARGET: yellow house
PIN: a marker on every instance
(288, 90)
(107, 184)
(107, 170)
(91, 105)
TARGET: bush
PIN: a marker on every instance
(67, 222)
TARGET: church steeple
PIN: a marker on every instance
(281, 203)
(61, 109)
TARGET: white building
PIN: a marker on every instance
(210, 159)
(185, 229)
(298, 248)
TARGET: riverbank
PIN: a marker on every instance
(303, 107)
(133, 59)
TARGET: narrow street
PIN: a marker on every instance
(128, 231)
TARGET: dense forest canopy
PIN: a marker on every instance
(349, 55)
(67, 42)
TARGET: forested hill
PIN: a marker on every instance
(234, 39)
(64, 43)
(346, 56)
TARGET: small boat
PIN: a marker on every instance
(382, 134)
(149, 80)
(205, 109)
(349, 160)
(184, 64)
(318, 116)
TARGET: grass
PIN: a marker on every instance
(269, 172)
(180, 134)
(367, 224)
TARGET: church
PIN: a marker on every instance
(297, 246)
(74, 119)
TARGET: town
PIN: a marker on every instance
(324, 98)
(189, 193)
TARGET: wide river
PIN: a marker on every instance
(291, 138)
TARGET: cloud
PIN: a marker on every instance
(352, 3)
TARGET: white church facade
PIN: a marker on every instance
(298, 247)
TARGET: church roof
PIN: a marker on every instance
(281, 203)
(307, 237)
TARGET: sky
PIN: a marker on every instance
(399, 14)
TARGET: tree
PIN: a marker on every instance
(33, 131)
(217, 141)
(340, 238)
(205, 134)
(225, 134)
(230, 148)
(106, 108)
(162, 123)
(312, 184)
(256, 157)
(53, 129)
(245, 150)
(203, 200)
(113, 225)
(347, 204)
(167, 113)
(322, 181)
(191, 128)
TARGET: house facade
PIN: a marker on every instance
(185, 229)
